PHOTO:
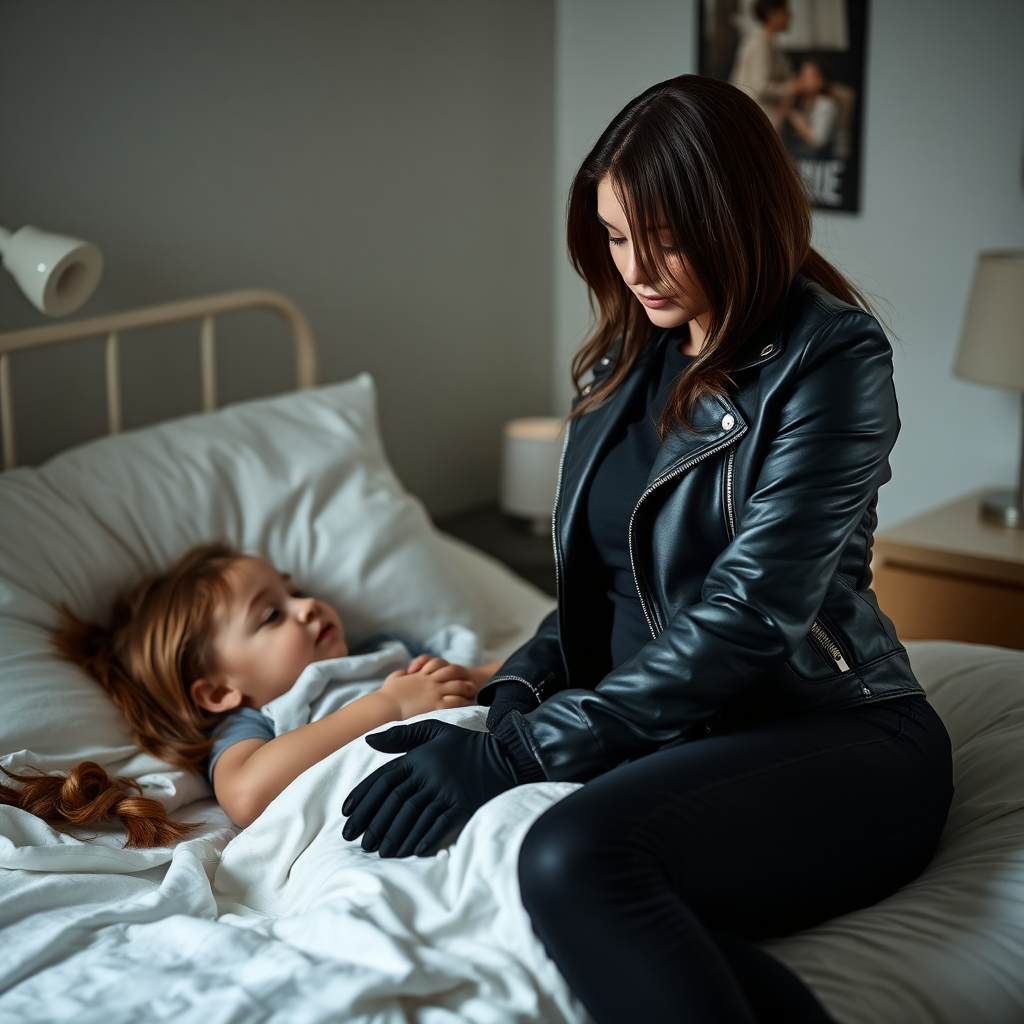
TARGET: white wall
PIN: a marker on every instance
(606, 52)
(387, 165)
(942, 180)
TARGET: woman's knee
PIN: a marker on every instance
(556, 859)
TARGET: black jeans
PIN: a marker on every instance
(647, 885)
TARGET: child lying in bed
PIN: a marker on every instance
(190, 657)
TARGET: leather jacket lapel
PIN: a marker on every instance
(715, 421)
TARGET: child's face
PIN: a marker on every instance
(269, 632)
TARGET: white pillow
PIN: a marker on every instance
(301, 479)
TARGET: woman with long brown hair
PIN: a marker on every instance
(758, 756)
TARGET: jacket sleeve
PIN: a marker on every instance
(538, 664)
(837, 423)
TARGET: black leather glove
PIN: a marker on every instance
(510, 695)
(413, 804)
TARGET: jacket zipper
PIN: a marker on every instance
(730, 508)
(535, 690)
(554, 518)
(671, 475)
(830, 646)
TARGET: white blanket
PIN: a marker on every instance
(295, 926)
(298, 925)
(326, 686)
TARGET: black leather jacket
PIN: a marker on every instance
(751, 549)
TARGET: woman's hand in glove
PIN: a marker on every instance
(509, 695)
(413, 804)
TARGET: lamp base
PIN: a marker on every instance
(1003, 509)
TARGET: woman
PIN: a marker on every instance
(757, 753)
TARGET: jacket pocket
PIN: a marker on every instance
(833, 652)
(823, 654)
(811, 664)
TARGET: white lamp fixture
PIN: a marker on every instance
(56, 273)
(992, 352)
(531, 452)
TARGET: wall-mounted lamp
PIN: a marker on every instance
(992, 352)
(56, 273)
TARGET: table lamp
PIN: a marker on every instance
(992, 352)
(56, 273)
(531, 452)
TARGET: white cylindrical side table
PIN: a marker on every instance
(531, 451)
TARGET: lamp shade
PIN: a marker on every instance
(529, 468)
(57, 273)
(992, 340)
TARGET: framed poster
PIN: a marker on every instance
(803, 61)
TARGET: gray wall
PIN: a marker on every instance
(942, 180)
(387, 165)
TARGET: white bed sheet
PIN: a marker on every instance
(92, 932)
(949, 947)
(290, 923)
(296, 924)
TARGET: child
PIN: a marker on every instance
(190, 657)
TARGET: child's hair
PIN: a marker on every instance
(159, 641)
(88, 795)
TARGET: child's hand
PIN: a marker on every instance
(478, 676)
(429, 684)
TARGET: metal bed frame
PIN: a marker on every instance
(112, 325)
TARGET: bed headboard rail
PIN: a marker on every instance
(110, 326)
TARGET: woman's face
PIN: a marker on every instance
(667, 303)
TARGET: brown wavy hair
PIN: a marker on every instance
(159, 641)
(87, 795)
(699, 157)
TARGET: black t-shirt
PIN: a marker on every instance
(616, 487)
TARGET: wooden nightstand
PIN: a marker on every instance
(946, 575)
